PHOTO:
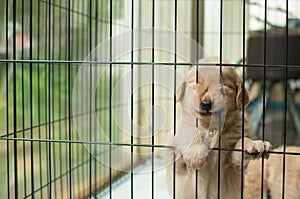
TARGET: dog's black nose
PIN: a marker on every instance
(206, 105)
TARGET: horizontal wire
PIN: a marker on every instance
(143, 63)
(241, 150)
(83, 142)
(92, 62)
(125, 144)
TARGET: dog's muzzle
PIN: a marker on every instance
(208, 108)
(206, 105)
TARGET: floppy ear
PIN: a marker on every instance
(239, 96)
(181, 91)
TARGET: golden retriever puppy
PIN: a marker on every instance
(204, 98)
(273, 176)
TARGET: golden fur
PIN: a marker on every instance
(273, 176)
(253, 179)
(197, 157)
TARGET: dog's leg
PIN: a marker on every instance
(252, 149)
(196, 156)
(184, 178)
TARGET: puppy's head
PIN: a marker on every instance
(207, 93)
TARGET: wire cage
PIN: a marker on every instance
(88, 91)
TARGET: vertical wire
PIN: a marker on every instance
(131, 101)
(86, 48)
(243, 101)
(197, 71)
(15, 101)
(66, 102)
(39, 99)
(175, 72)
(46, 102)
(264, 100)
(23, 104)
(96, 96)
(7, 101)
(82, 54)
(87, 45)
(138, 77)
(220, 133)
(221, 31)
(110, 96)
(285, 96)
(90, 114)
(53, 100)
(69, 95)
(49, 99)
(152, 99)
(59, 102)
(77, 55)
(31, 103)
(102, 95)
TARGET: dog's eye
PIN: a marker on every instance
(228, 89)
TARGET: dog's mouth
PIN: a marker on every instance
(209, 113)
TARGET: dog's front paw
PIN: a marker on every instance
(193, 161)
(257, 148)
(196, 156)
(252, 149)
